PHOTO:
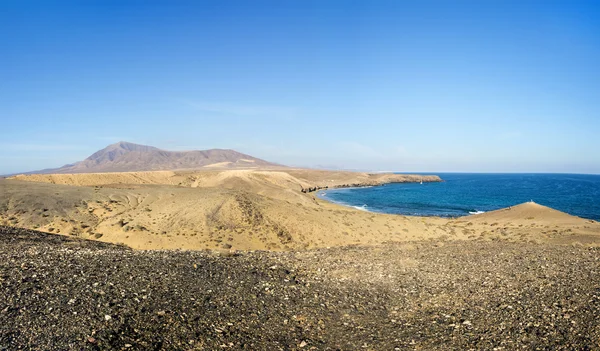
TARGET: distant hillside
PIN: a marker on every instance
(129, 157)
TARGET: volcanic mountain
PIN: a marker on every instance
(129, 157)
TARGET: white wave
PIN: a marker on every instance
(476, 212)
(362, 208)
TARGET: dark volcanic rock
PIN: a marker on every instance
(63, 293)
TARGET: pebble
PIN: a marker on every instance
(383, 298)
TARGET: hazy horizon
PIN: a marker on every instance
(433, 86)
(325, 167)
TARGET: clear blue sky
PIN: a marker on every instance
(483, 86)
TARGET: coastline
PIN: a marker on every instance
(470, 194)
(376, 179)
(360, 208)
(255, 210)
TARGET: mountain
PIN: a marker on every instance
(129, 157)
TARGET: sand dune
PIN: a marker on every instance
(252, 210)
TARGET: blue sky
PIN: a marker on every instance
(433, 86)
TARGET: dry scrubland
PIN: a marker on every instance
(252, 210)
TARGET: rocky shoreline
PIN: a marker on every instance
(64, 293)
(381, 179)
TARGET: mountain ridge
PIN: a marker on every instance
(125, 156)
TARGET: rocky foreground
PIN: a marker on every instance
(63, 293)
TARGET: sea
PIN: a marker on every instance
(461, 194)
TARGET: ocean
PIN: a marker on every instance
(461, 194)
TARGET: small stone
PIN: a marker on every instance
(161, 313)
(91, 340)
(302, 344)
(128, 345)
(107, 317)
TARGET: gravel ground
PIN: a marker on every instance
(60, 293)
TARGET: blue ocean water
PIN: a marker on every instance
(461, 194)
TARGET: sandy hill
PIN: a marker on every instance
(251, 209)
(129, 157)
(243, 209)
(532, 221)
(246, 179)
(526, 213)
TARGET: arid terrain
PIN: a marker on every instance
(252, 210)
(221, 209)
(236, 175)
(267, 265)
(63, 293)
